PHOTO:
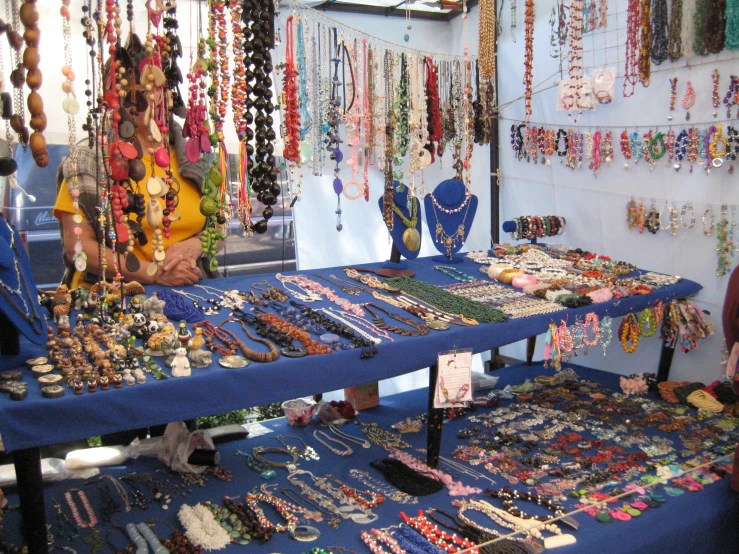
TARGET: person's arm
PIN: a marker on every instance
(179, 275)
(190, 249)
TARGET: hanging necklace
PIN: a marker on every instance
(660, 43)
(674, 38)
(631, 63)
(645, 62)
(688, 100)
(528, 76)
(71, 106)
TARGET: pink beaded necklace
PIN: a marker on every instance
(93, 520)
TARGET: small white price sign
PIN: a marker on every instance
(454, 381)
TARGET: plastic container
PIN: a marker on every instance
(298, 412)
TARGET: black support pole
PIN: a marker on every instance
(530, 347)
(436, 418)
(665, 363)
(31, 492)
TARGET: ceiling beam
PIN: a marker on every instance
(333, 6)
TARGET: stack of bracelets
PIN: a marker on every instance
(529, 227)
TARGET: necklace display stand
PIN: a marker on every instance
(510, 227)
(20, 312)
(450, 222)
(400, 248)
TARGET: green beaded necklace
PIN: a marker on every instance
(446, 301)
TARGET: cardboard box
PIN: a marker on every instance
(363, 396)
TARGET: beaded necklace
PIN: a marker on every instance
(91, 517)
(715, 26)
(699, 23)
(660, 43)
(448, 542)
(732, 25)
(674, 28)
(681, 145)
(645, 66)
(732, 94)
(725, 236)
(528, 77)
(15, 39)
(732, 146)
(631, 67)
(71, 106)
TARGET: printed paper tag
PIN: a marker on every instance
(454, 381)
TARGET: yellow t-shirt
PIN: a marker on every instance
(190, 223)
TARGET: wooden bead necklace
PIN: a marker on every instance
(262, 357)
(29, 17)
(18, 74)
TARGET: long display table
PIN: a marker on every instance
(38, 421)
(694, 522)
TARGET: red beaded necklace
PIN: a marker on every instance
(291, 151)
(449, 542)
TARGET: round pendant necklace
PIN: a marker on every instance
(411, 236)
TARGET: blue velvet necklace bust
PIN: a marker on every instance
(406, 239)
(450, 211)
(19, 299)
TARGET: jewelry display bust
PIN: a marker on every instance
(407, 226)
(450, 211)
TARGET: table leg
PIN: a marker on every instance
(530, 347)
(665, 363)
(436, 418)
(31, 492)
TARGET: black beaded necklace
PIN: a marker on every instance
(258, 17)
(659, 31)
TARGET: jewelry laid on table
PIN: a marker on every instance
(381, 487)
(358, 324)
(326, 504)
(307, 453)
(455, 273)
(253, 355)
(322, 437)
(346, 436)
(196, 302)
(347, 290)
(380, 323)
(290, 466)
(92, 520)
(270, 292)
(382, 437)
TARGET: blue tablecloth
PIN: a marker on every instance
(703, 522)
(39, 421)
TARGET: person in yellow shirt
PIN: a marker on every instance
(183, 248)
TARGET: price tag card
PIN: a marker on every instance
(454, 381)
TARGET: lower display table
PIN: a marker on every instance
(694, 522)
